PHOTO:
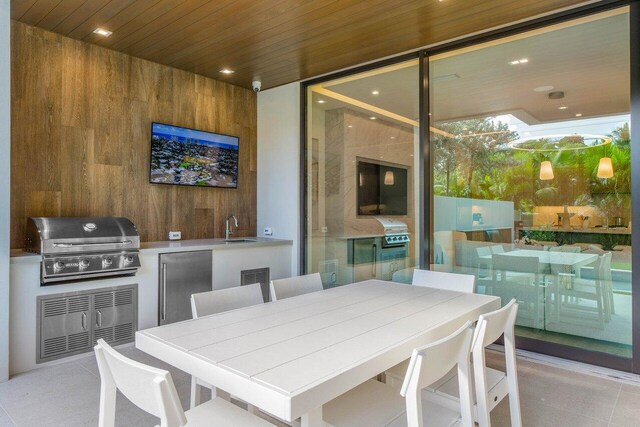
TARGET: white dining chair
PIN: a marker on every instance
(374, 404)
(212, 302)
(446, 281)
(294, 286)
(153, 391)
(430, 364)
(433, 279)
(491, 385)
(497, 249)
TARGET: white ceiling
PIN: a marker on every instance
(589, 61)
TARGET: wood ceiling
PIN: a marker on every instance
(275, 41)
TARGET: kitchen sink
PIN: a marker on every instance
(240, 240)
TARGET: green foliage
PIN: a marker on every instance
(473, 160)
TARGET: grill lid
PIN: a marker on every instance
(74, 234)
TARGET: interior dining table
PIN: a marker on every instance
(292, 356)
(571, 261)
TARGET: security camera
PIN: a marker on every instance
(257, 84)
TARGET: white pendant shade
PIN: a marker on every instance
(546, 171)
(388, 178)
(605, 168)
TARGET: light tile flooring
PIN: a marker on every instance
(68, 394)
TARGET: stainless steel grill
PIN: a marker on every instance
(83, 248)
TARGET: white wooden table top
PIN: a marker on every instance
(291, 356)
(556, 258)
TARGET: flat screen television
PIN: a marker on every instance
(381, 188)
(183, 156)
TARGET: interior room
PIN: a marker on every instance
(355, 213)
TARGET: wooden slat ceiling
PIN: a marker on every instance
(275, 41)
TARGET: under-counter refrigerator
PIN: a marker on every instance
(182, 274)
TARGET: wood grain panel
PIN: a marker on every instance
(276, 41)
(81, 129)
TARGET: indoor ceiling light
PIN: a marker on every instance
(102, 32)
(227, 71)
(375, 92)
(393, 137)
(518, 61)
(543, 88)
(388, 178)
(578, 114)
(562, 107)
(372, 118)
(321, 101)
(546, 171)
(350, 126)
(605, 168)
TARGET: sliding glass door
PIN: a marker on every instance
(509, 159)
(531, 185)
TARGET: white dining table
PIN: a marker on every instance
(292, 356)
(573, 260)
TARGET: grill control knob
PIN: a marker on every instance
(106, 262)
(59, 265)
(84, 263)
(128, 259)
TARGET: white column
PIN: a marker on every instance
(279, 165)
(5, 176)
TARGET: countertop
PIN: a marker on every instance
(18, 255)
(618, 230)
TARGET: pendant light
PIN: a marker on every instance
(605, 167)
(388, 178)
(546, 171)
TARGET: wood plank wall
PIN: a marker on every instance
(80, 138)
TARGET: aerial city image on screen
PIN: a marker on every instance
(190, 157)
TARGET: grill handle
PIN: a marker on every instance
(70, 245)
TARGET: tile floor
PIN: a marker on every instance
(68, 395)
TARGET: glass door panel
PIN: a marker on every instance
(362, 176)
(531, 186)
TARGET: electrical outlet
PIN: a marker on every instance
(175, 235)
(267, 231)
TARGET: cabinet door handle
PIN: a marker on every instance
(163, 312)
(99, 319)
(375, 255)
(83, 321)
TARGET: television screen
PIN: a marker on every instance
(382, 189)
(183, 156)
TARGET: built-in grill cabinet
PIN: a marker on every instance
(72, 322)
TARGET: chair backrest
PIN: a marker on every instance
(432, 362)
(149, 388)
(212, 302)
(491, 325)
(521, 264)
(447, 281)
(497, 249)
(603, 267)
(294, 286)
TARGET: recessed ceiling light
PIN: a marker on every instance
(375, 92)
(350, 126)
(562, 107)
(372, 118)
(321, 101)
(518, 61)
(102, 32)
(543, 88)
(227, 71)
(393, 137)
(578, 114)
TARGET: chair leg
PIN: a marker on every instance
(195, 392)
(512, 379)
(480, 376)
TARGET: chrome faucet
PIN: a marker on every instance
(227, 230)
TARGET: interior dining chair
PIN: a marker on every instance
(153, 391)
(433, 279)
(212, 302)
(521, 278)
(484, 264)
(443, 280)
(294, 286)
(491, 385)
(497, 249)
(375, 404)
